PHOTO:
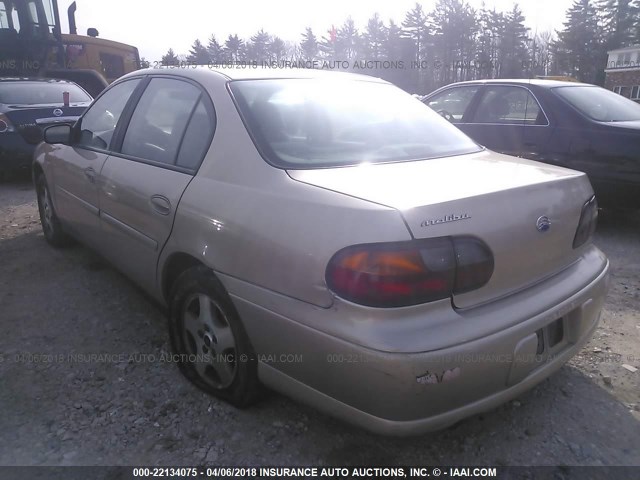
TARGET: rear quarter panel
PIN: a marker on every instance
(247, 219)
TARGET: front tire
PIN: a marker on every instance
(51, 226)
(206, 332)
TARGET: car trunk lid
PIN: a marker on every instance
(526, 212)
(31, 120)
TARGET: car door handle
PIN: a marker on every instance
(161, 204)
(90, 173)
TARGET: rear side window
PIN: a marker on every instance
(160, 120)
(509, 105)
(599, 104)
(99, 123)
(196, 139)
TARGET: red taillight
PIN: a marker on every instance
(474, 264)
(409, 273)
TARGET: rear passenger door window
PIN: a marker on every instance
(508, 119)
(197, 137)
(160, 120)
(509, 105)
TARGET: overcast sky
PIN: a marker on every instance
(156, 25)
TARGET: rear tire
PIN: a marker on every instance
(51, 227)
(206, 332)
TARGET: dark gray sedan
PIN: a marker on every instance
(27, 106)
(570, 124)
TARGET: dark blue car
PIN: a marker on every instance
(27, 106)
(575, 125)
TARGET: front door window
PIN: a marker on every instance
(453, 103)
(99, 123)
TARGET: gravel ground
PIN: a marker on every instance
(57, 410)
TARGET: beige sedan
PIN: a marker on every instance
(330, 237)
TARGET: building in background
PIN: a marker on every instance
(623, 72)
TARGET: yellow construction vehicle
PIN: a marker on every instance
(32, 45)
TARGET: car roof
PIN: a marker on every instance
(259, 72)
(544, 83)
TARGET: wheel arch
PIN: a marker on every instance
(39, 164)
(36, 169)
(176, 264)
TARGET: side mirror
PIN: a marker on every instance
(58, 134)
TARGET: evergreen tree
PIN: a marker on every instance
(635, 30)
(309, 45)
(215, 50)
(620, 21)
(234, 48)
(400, 50)
(198, 54)
(415, 28)
(395, 43)
(513, 46)
(497, 21)
(169, 58)
(489, 28)
(329, 46)
(579, 50)
(348, 39)
(277, 49)
(454, 28)
(373, 38)
(257, 48)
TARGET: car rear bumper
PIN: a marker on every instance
(411, 393)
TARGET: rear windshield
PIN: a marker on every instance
(307, 123)
(600, 104)
(40, 93)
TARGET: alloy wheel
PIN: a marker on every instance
(209, 341)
